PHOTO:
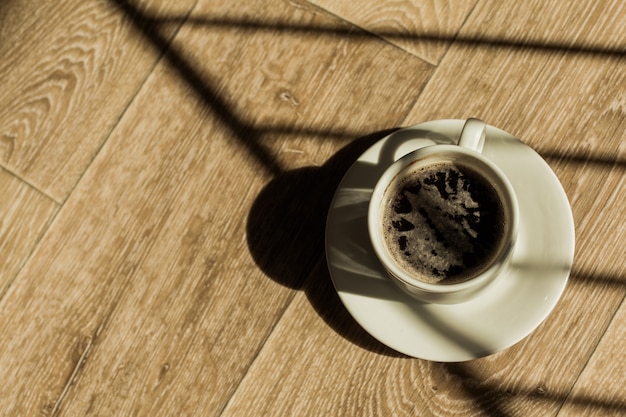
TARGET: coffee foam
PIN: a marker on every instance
(443, 223)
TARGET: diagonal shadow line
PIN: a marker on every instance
(493, 399)
(587, 402)
(578, 158)
(244, 24)
(596, 279)
(490, 400)
(250, 135)
(246, 133)
(608, 160)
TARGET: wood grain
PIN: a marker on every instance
(69, 70)
(24, 215)
(569, 104)
(339, 369)
(423, 28)
(158, 298)
(599, 389)
(192, 149)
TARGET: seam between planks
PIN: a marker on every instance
(162, 54)
(372, 34)
(437, 65)
(451, 41)
(591, 355)
(80, 363)
(263, 343)
(37, 239)
(29, 184)
(288, 304)
(75, 374)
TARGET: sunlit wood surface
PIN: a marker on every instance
(166, 168)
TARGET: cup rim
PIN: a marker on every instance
(440, 151)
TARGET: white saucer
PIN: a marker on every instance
(508, 310)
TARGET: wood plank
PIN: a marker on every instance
(69, 70)
(159, 291)
(423, 28)
(568, 104)
(581, 135)
(600, 389)
(341, 370)
(24, 215)
(338, 369)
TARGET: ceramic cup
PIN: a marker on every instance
(466, 154)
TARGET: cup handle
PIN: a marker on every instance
(473, 134)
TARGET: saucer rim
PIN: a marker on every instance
(560, 278)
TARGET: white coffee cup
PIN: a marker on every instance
(466, 154)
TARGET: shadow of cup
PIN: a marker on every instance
(285, 235)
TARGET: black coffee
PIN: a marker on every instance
(443, 223)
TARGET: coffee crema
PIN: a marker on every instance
(443, 223)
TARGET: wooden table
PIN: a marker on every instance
(166, 169)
